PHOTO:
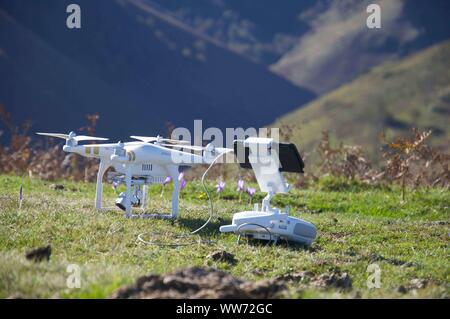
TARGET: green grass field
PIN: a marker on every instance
(356, 226)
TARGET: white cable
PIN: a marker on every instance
(238, 230)
(211, 212)
(180, 240)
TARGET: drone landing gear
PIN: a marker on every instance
(103, 167)
(136, 196)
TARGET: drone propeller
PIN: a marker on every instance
(113, 145)
(188, 147)
(58, 135)
(72, 135)
(89, 138)
(151, 139)
(209, 147)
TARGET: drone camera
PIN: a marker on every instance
(120, 201)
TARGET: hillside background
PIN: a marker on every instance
(233, 63)
(390, 99)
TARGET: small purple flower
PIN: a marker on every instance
(20, 196)
(114, 185)
(240, 185)
(183, 184)
(181, 177)
(167, 180)
(251, 191)
(220, 187)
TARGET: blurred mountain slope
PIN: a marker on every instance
(315, 44)
(260, 30)
(393, 97)
(338, 45)
(134, 65)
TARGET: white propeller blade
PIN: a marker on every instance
(149, 139)
(199, 148)
(58, 135)
(175, 141)
(80, 138)
(77, 138)
(104, 145)
(146, 139)
(188, 147)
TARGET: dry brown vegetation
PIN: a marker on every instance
(408, 161)
(47, 161)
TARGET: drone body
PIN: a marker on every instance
(137, 165)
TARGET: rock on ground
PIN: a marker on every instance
(39, 254)
(222, 256)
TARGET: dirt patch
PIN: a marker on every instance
(39, 254)
(221, 256)
(414, 284)
(298, 277)
(57, 187)
(334, 279)
(198, 283)
(336, 236)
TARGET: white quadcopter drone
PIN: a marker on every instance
(151, 159)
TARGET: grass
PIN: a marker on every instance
(356, 225)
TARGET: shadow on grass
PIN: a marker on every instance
(212, 229)
(192, 224)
